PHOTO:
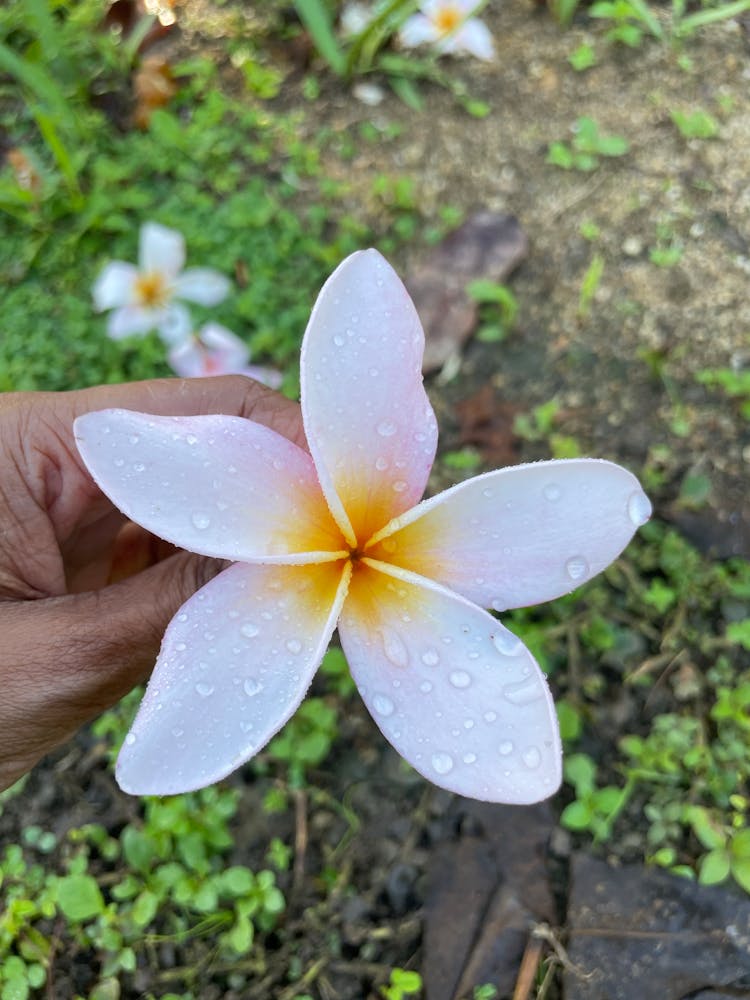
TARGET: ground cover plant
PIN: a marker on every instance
(311, 872)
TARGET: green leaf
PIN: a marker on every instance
(576, 816)
(144, 908)
(314, 15)
(79, 897)
(714, 867)
(741, 872)
(739, 633)
(705, 829)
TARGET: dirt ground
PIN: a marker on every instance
(624, 374)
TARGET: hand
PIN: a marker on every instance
(85, 595)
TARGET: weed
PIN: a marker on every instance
(586, 148)
(401, 985)
(696, 124)
(498, 309)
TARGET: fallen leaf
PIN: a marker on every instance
(489, 246)
(486, 423)
(153, 86)
(644, 934)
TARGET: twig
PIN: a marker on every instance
(300, 838)
(309, 977)
(528, 969)
(545, 932)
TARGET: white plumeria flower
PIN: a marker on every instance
(334, 537)
(214, 350)
(145, 297)
(449, 27)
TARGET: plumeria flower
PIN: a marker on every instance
(338, 536)
(449, 27)
(146, 297)
(214, 350)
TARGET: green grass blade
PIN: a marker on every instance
(314, 16)
(703, 17)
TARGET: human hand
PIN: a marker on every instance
(85, 595)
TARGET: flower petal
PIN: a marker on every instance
(174, 323)
(267, 376)
(130, 321)
(521, 535)
(369, 424)
(161, 249)
(475, 38)
(114, 286)
(235, 663)
(202, 285)
(189, 360)
(417, 30)
(457, 695)
(222, 486)
(219, 338)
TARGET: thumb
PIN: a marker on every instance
(74, 656)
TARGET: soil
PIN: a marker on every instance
(623, 372)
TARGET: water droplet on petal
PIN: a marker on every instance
(399, 486)
(430, 658)
(425, 687)
(395, 650)
(381, 464)
(460, 679)
(130, 739)
(442, 762)
(252, 687)
(338, 340)
(552, 492)
(383, 704)
(204, 690)
(531, 757)
(505, 748)
(523, 692)
(294, 645)
(639, 508)
(119, 462)
(469, 758)
(576, 568)
(487, 493)
(182, 617)
(490, 716)
(200, 520)
(249, 630)
(506, 643)
(139, 467)
(134, 439)
(191, 439)
(386, 428)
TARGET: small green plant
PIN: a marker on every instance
(582, 58)
(696, 124)
(590, 284)
(586, 148)
(401, 985)
(735, 384)
(498, 309)
(727, 844)
(306, 740)
(594, 809)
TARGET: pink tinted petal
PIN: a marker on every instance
(268, 376)
(131, 321)
(369, 424)
(161, 249)
(457, 695)
(416, 30)
(188, 360)
(218, 338)
(202, 285)
(473, 37)
(222, 486)
(521, 535)
(235, 663)
(114, 286)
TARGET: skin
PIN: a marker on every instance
(85, 595)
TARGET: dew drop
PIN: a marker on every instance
(639, 508)
(119, 462)
(523, 692)
(180, 647)
(531, 757)
(139, 467)
(425, 687)
(249, 630)
(294, 645)
(130, 739)
(182, 617)
(430, 658)
(386, 428)
(395, 650)
(576, 568)
(468, 723)
(490, 716)
(487, 493)
(252, 687)
(204, 690)
(469, 758)
(506, 643)
(442, 762)
(399, 486)
(383, 705)
(460, 679)
(200, 520)
(505, 748)
(552, 492)
(381, 464)
(191, 439)
(134, 439)
(339, 340)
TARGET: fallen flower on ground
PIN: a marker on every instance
(338, 536)
(214, 350)
(146, 297)
(448, 26)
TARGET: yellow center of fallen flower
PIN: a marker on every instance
(447, 19)
(151, 289)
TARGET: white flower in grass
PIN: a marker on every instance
(449, 27)
(214, 350)
(147, 297)
(337, 536)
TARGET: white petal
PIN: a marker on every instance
(235, 663)
(175, 325)
(114, 286)
(266, 376)
(218, 338)
(222, 486)
(417, 30)
(475, 38)
(161, 249)
(202, 285)
(131, 321)
(521, 535)
(457, 695)
(188, 360)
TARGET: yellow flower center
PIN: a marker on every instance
(447, 19)
(151, 289)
